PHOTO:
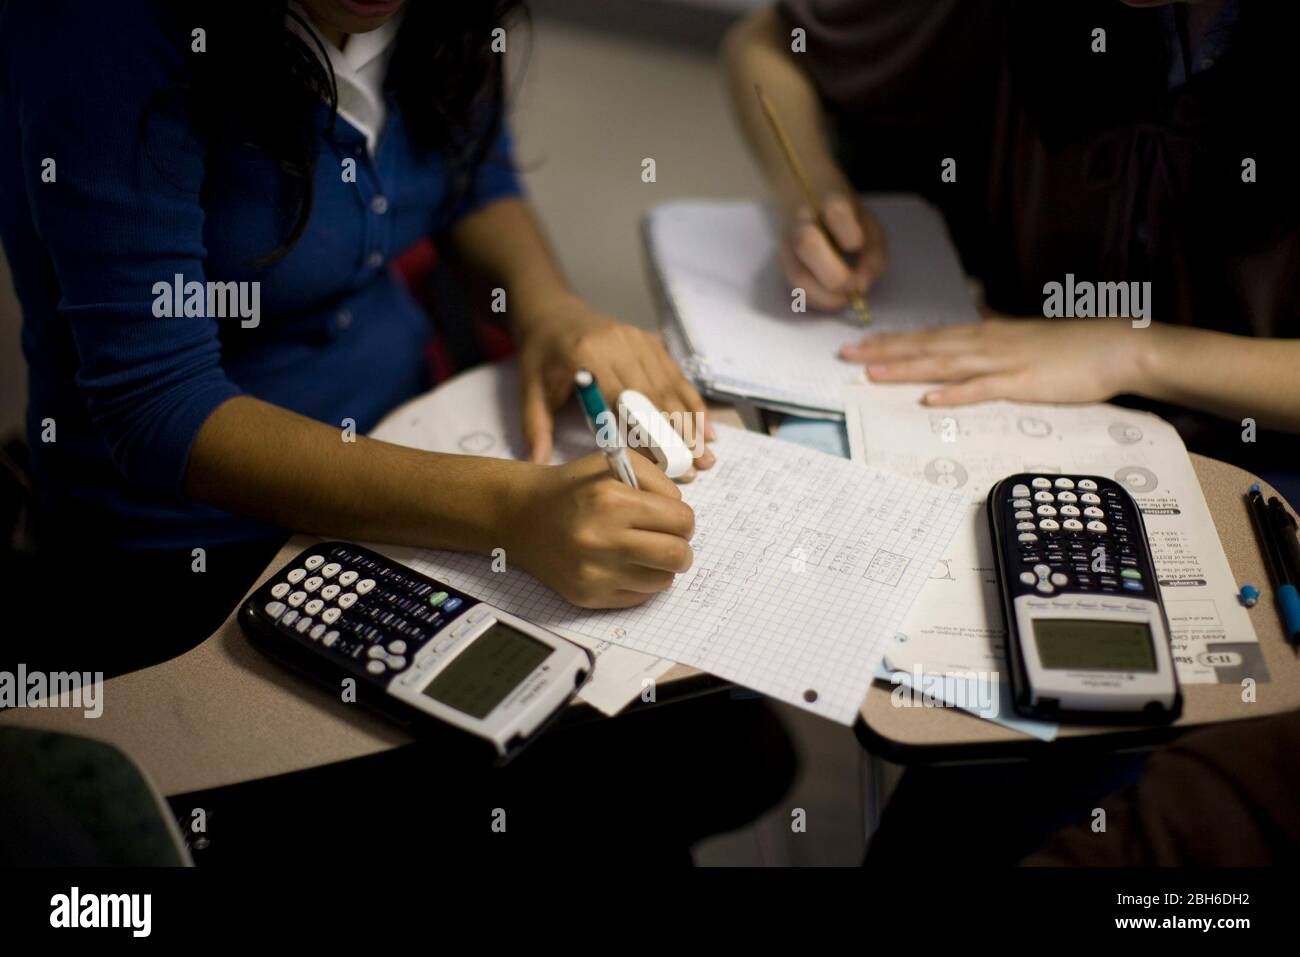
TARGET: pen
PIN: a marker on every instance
(598, 415)
(1284, 527)
(809, 195)
(1288, 599)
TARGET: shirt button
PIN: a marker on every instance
(375, 259)
(379, 205)
(344, 319)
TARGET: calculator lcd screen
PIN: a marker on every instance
(492, 666)
(1082, 645)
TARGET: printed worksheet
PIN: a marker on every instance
(477, 413)
(956, 624)
(805, 565)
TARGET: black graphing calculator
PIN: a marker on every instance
(1087, 634)
(421, 652)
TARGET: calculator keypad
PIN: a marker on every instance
(374, 615)
(1077, 535)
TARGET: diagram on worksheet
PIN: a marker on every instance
(956, 623)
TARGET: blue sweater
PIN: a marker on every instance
(126, 390)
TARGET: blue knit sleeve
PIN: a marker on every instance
(113, 173)
(496, 178)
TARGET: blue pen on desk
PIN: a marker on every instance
(599, 416)
(1275, 555)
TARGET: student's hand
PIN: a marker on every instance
(811, 263)
(1024, 360)
(571, 336)
(597, 542)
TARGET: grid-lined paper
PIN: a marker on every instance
(804, 565)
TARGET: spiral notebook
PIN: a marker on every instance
(730, 311)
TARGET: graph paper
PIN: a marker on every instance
(805, 564)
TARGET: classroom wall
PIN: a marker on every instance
(596, 92)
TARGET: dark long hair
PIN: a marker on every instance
(259, 84)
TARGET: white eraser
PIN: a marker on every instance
(648, 428)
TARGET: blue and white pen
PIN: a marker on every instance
(598, 415)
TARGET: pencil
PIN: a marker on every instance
(809, 196)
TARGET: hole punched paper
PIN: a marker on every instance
(805, 565)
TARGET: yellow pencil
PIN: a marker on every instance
(810, 197)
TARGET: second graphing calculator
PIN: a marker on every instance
(1087, 634)
(418, 650)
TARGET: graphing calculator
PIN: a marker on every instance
(421, 652)
(1087, 634)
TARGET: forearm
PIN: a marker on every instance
(259, 460)
(757, 52)
(503, 245)
(1231, 376)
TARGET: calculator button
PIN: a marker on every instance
(1090, 499)
(311, 584)
(1022, 515)
(397, 662)
(280, 590)
(1020, 491)
(397, 647)
(477, 614)
(1021, 503)
(1134, 586)
(377, 652)
(1132, 573)
(375, 667)
(1028, 578)
(303, 625)
(1064, 483)
(1060, 580)
(1043, 497)
(1024, 526)
(313, 563)
(295, 576)
(1093, 512)
(1036, 604)
(1045, 588)
(317, 632)
(1066, 497)
(330, 570)
(1098, 527)
(329, 591)
(1027, 537)
(297, 598)
(275, 609)
(1088, 485)
(330, 615)
(1047, 511)
(1111, 605)
(347, 600)
(451, 604)
(330, 638)
(289, 618)
(1073, 525)
(1135, 607)
(437, 598)
(1041, 483)
(313, 607)
(363, 587)
(1070, 511)
(1042, 571)
(1048, 525)
(347, 578)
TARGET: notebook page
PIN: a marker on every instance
(719, 266)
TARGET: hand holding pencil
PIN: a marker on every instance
(834, 248)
